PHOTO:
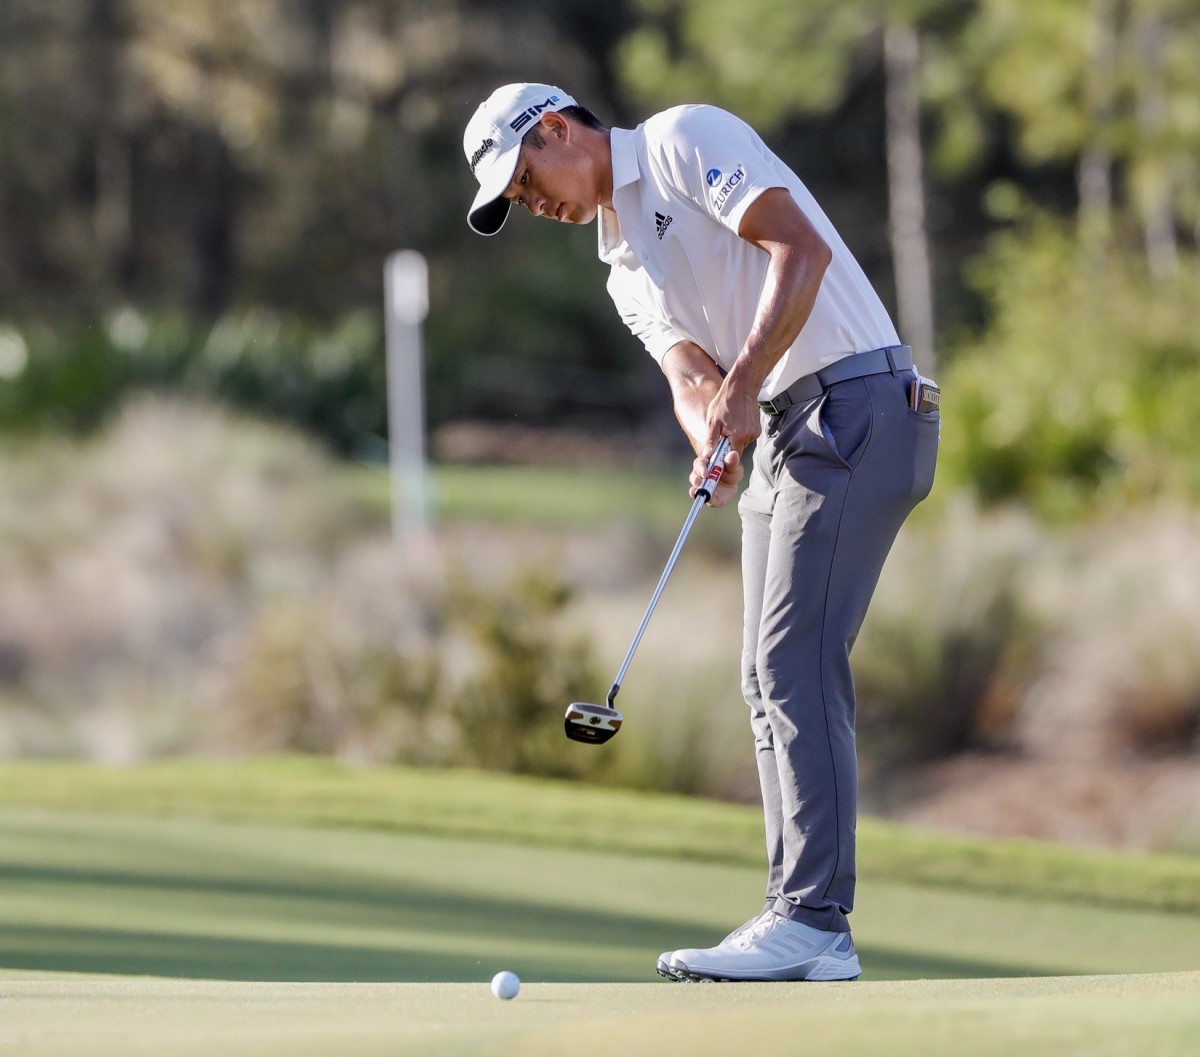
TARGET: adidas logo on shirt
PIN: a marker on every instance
(661, 223)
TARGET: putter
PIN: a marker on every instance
(595, 724)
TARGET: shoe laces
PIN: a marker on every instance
(758, 931)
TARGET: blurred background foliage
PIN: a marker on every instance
(197, 199)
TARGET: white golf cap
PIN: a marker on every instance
(493, 141)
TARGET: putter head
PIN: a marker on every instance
(593, 724)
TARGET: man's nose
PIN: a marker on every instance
(537, 205)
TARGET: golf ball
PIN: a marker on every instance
(506, 984)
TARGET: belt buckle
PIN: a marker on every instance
(776, 405)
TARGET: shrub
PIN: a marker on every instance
(1081, 394)
(303, 682)
(510, 713)
(132, 561)
(329, 379)
(940, 660)
(1123, 673)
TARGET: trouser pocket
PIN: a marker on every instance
(843, 419)
(929, 432)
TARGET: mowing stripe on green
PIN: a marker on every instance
(558, 814)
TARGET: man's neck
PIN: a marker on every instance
(604, 167)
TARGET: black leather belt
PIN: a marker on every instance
(893, 359)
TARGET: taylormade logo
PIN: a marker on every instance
(661, 223)
(484, 147)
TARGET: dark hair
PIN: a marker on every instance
(579, 114)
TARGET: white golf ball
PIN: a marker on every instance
(506, 984)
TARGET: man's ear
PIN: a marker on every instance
(555, 126)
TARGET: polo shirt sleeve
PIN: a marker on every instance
(642, 308)
(717, 161)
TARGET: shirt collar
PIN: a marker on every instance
(622, 142)
(626, 170)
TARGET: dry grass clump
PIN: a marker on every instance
(950, 636)
(528, 668)
(1123, 673)
(989, 630)
(140, 567)
(687, 727)
(193, 582)
(348, 667)
(190, 582)
(1024, 681)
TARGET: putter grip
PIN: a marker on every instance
(715, 466)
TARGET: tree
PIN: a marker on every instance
(1099, 103)
(1109, 85)
(199, 155)
(906, 187)
(190, 163)
(776, 60)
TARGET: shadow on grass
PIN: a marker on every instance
(132, 953)
(882, 963)
(570, 939)
(218, 916)
(554, 943)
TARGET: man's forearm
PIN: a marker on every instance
(694, 381)
(789, 293)
(798, 257)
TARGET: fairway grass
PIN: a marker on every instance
(1116, 1016)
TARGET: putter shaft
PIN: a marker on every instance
(703, 494)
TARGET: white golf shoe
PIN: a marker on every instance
(664, 960)
(773, 948)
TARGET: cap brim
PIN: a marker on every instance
(489, 218)
(490, 208)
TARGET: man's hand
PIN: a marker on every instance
(733, 413)
(708, 410)
(727, 486)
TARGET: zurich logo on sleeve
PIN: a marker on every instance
(722, 194)
(713, 176)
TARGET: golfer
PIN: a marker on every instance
(766, 328)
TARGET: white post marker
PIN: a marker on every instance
(406, 304)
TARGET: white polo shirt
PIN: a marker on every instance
(682, 181)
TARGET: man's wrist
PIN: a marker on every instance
(746, 376)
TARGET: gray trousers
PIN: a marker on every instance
(833, 481)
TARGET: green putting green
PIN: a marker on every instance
(1046, 1017)
(297, 907)
(108, 893)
